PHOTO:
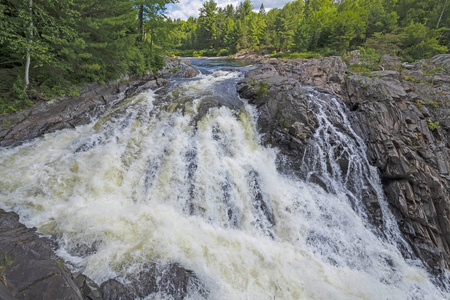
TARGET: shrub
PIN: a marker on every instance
(262, 89)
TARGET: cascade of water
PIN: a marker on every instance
(336, 159)
(158, 180)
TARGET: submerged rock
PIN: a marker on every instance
(172, 281)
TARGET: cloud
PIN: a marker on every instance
(190, 8)
(184, 9)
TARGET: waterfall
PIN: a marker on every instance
(167, 177)
(336, 160)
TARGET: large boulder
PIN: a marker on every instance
(176, 67)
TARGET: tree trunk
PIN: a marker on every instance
(141, 21)
(151, 41)
(29, 42)
(442, 13)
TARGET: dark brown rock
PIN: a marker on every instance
(284, 119)
(404, 118)
(395, 116)
(28, 266)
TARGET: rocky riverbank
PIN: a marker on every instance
(94, 99)
(402, 114)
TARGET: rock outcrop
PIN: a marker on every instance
(178, 68)
(403, 117)
(284, 120)
(28, 267)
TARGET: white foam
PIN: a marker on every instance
(150, 185)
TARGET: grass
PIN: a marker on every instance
(364, 68)
(207, 53)
(294, 55)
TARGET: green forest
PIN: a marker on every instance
(49, 46)
(412, 29)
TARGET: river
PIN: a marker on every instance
(179, 175)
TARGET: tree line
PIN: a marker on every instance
(48, 46)
(413, 29)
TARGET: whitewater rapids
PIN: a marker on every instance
(154, 181)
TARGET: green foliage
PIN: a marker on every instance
(420, 42)
(7, 261)
(433, 125)
(283, 123)
(223, 52)
(364, 68)
(419, 104)
(294, 55)
(388, 43)
(369, 56)
(261, 88)
(73, 43)
(321, 26)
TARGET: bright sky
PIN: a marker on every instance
(189, 8)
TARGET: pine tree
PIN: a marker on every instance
(207, 29)
(262, 11)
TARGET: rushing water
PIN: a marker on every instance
(160, 179)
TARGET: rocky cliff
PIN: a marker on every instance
(403, 115)
(404, 119)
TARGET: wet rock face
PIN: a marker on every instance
(171, 281)
(404, 119)
(28, 267)
(284, 120)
